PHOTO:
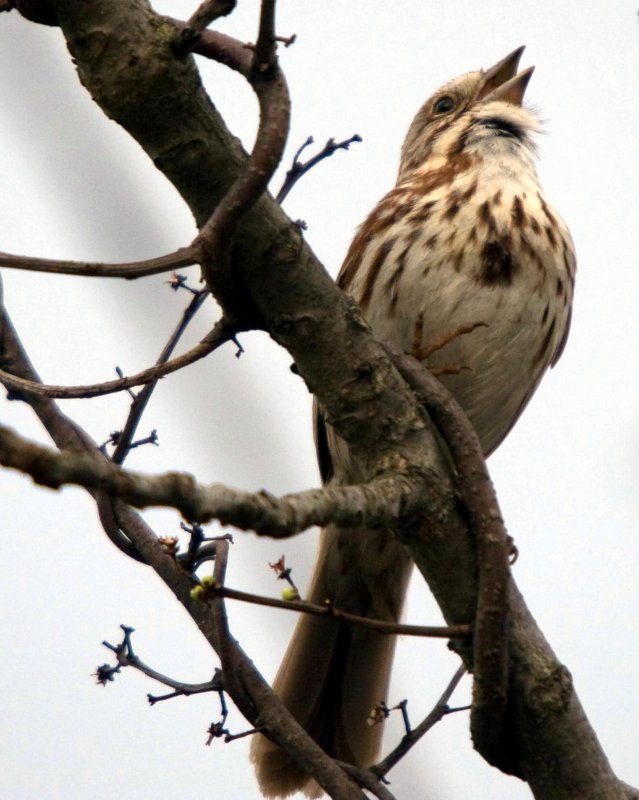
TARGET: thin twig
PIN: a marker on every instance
(127, 658)
(330, 611)
(116, 518)
(367, 780)
(245, 685)
(141, 400)
(439, 710)
(131, 270)
(265, 57)
(227, 646)
(298, 169)
(218, 336)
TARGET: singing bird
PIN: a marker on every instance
(465, 241)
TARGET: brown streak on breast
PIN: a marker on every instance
(452, 209)
(352, 262)
(458, 259)
(551, 237)
(374, 270)
(569, 261)
(426, 182)
(485, 215)
(519, 217)
(422, 212)
(465, 197)
(497, 265)
(380, 219)
(391, 283)
(457, 200)
(531, 251)
(548, 213)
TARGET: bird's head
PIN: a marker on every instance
(469, 112)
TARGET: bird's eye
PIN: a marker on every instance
(444, 104)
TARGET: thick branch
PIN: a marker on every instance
(382, 503)
(490, 641)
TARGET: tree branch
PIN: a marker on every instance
(383, 502)
(490, 641)
(184, 257)
(141, 400)
(219, 335)
(304, 607)
(438, 712)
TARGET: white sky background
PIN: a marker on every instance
(75, 186)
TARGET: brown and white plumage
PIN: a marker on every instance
(466, 239)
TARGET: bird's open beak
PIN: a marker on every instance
(502, 82)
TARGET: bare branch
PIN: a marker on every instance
(208, 11)
(38, 11)
(184, 257)
(218, 233)
(115, 516)
(380, 503)
(127, 658)
(265, 58)
(242, 681)
(298, 168)
(551, 743)
(219, 335)
(387, 628)
(219, 47)
(141, 400)
(439, 710)
(490, 643)
(368, 780)
(227, 648)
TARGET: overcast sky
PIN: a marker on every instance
(75, 186)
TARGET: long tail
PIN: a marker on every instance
(334, 673)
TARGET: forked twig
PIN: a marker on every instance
(298, 168)
(410, 739)
(141, 400)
